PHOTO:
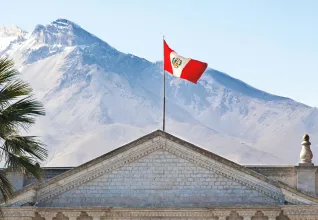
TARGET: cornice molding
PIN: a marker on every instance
(25, 197)
(296, 199)
(85, 173)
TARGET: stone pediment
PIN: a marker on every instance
(160, 170)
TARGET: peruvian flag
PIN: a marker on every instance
(185, 68)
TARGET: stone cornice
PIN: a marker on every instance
(24, 194)
(18, 213)
(296, 197)
(293, 212)
(23, 197)
(300, 209)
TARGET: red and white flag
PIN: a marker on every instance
(185, 68)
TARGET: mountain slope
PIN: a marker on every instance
(98, 98)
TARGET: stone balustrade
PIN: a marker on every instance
(224, 213)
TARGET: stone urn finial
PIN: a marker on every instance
(306, 154)
(306, 138)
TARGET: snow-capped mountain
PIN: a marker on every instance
(10, 34)
(98, 98)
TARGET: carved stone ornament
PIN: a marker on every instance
(246, 214)
(305, 153)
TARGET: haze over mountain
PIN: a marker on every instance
(98, 98)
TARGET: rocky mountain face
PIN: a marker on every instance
(98, 98)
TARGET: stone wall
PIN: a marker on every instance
(48, 173)
(160, 179)
(284, 174)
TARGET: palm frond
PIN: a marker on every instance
(25, 145)
(7, 70)
(13, 90)
(6, 187)
(20, 114)
(23, 164)
(18, 109)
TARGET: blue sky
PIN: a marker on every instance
(270, 44)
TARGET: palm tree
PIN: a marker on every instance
(18, 109)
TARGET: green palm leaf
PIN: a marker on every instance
(13, 90)
(24, 164)
(7, 70)
(6, 187)
(18, 110)
(24, 145)
(20, 114)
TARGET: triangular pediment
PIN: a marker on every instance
(160, 170)
(161, 178)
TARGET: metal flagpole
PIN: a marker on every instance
(164, 88)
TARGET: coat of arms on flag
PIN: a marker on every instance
(185, 68)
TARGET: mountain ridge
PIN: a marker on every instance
(218, 75)
(11, 31)
(92, 90)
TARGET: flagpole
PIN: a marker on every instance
(164, 89)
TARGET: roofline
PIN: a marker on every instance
(169, 137)
(247, 166)
(176, 140)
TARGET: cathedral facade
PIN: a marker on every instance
(160, 176)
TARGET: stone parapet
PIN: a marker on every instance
(225, 213)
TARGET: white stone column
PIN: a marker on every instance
(246, 214)
(271, 214)
(72, 215)
(96, 215)
(221, 214)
